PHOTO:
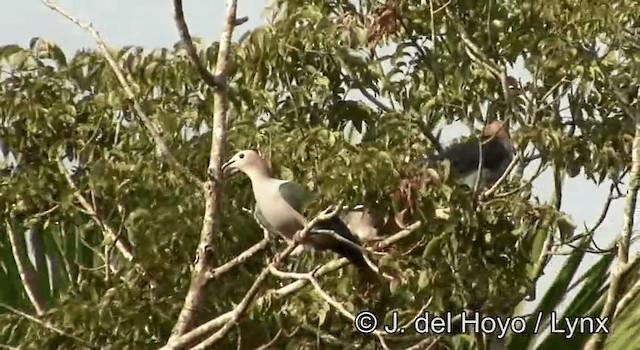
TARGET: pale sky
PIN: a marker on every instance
(150, 24)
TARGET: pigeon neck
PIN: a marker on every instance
(257, 174)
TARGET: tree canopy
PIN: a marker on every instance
(102, 208)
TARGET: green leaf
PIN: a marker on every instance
(554, 295)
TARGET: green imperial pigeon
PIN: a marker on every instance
(279, 208)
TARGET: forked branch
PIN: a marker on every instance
(285, 291)
(213, 185)
(250, 296)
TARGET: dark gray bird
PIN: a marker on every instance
(497, 154)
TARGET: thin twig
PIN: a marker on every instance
(123, 245)
(126, 86)
(231, 318)
(425, 344)
(418, 314)
(338, 263)
(476, 183)
(374, 100)
(600, 220)
(271, 342)
(214, 81)
(47, 325)
(243, 306)
(502, 178)
(325, 296)
(429, 135)
(286, 290)
(238, 260)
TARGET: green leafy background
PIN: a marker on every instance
(296, 88)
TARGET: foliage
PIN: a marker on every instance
(299, 92)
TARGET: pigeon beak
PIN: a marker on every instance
(228, 169)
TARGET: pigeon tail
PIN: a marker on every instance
(349, 248)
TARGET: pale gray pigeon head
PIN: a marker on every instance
(246, 161)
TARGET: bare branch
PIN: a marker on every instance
(418, 314)
(286, 290)
(126, 86)
(242, 307)
(631, 294)
(503, 177)
(374, 100)
(338, 263)
(596, 341)
(240, 21)
(123, 245)
(429, 135)
(325, 296)
(238, 260)
(46, 325)
(213, 185)
(601, 218)
(525, 183)
(215, 81)
(479, 169)
(25, 269)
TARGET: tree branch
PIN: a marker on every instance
(148, 124)
(628, 297)
(213, 185)
(215, 81)
(286, 290)
(29, 278)
(325, 296)
(241, 308)
(244, 256)
(122, 243)
(425, 344)
(502, 178)
(271, 342)
(47, 325)
(596, 341)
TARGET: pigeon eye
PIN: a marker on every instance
(241, 155)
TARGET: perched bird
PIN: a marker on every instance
(497, 153)
(280, 206)
(365, 223)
